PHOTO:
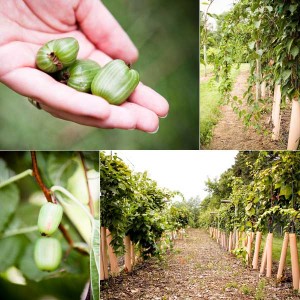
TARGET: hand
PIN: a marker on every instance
(26, 25)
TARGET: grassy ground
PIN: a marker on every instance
(277, 245)
(210, 103)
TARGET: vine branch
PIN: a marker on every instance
(38, 178)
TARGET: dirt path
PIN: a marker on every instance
(230, 133)
(197, 269)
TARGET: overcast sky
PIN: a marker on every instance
(218, 6)
(185, 171)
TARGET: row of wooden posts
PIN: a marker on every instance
(108, 257)
(236, 239)
(294, 131)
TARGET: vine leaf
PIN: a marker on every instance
(95, 261)
(5, 172)
(11, 249)
(286, 74)
(10, 198)
(60, 168)
(295, 51)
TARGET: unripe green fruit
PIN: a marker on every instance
(79, 75)
(49, 218)
(57, 54)
(47, 254)
(115, 82)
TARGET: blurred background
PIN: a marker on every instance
(166, 34)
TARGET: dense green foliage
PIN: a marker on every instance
(264, 33)
(133, 204)
(261, 190)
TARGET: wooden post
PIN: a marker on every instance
(276, 118)
(127, 244)
(269, 254)
(264, 259)
(230, 242)
(249, 247)
(283, 255)
(294, 133)
(132, 254)
(114, 267)
(256, 250)
(294, 260)
(237, 239)
(103, 255)
(263, 90)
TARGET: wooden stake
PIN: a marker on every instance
(249, 247)
(294, 260)
(256, 250)
(127, 244)
(230, 242)
(132, 254)
(283, 256)
(103, 255)
(263, 90)
(276, 113)
(264, 260)
(294, 133)
(269, 254)
(114, 267)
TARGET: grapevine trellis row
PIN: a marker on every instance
(266, 34)
(137, 219)
(263, 204)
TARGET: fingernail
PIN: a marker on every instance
(152, 132)
(164, 116)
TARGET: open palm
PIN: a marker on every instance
(26, 25)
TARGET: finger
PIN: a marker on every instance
(38, 85)
(104, 31)
(146, 119)
(148, 98)
(120, 118)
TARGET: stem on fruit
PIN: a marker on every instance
(49, 198)
(16, 178)
(57, 188)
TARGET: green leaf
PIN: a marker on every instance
(60, 167)
(289, 45)
(286, 190)
(259, 52)
(286, 74)
(5, 172)
(9, 200)
(293, 7)
(11, 248)
(295, 51)
(95, 261)
(251, 45)
(257, 24)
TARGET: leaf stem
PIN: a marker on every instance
(16, 178)
(13, 232)
(57, 188)
(91, 206)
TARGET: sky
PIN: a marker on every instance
(218, 6)
(181, 170)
